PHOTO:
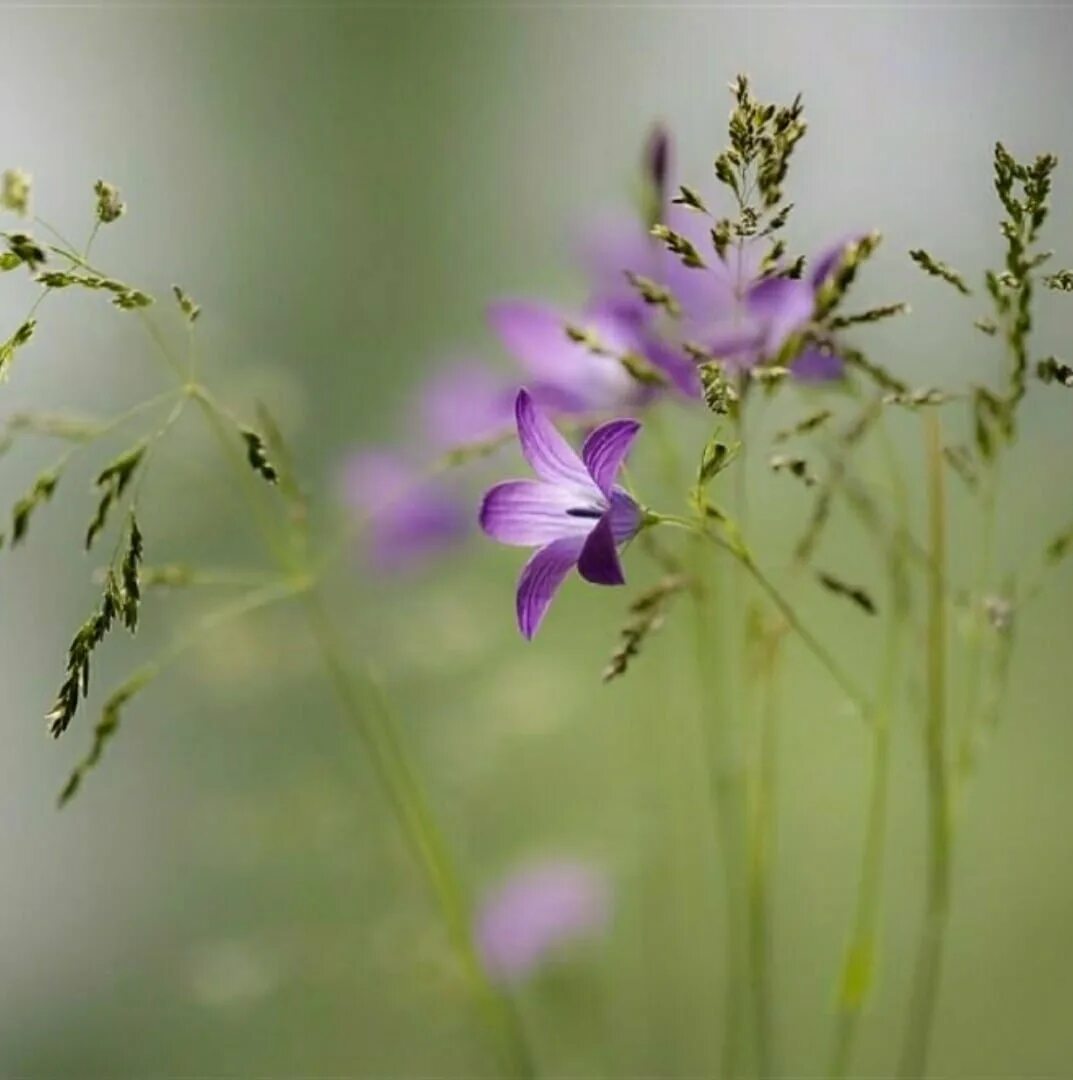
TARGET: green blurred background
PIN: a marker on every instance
(343, 188)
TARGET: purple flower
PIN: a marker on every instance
(535, 913)
(408, 517)
(573, 514)
(566, 376)
(465, 403)
(768, 312)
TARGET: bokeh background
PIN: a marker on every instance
(343, 188)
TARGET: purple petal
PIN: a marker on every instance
(530, 513)
(540, 580)
(657, 160)
(465, 404)
(552, 458)
(679, 368)
(536, 912)
(535, 334)
(783, 306)
(624, 516)
(409, 518)
(825, 262)
(598, 561)
(818, 365)
(605, 450)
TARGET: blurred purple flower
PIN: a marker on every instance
(464, 404)
(574, 514)
(537, 911)
(767, 312)
(408, 517)
(565, 375)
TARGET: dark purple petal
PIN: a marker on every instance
(658, 162)
(818, 365)
(536, 912)
(530, 513)
(541, 578)
(605, 450)
(598, 561)
(624, 515)
(552, 458)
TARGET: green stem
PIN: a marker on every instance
(367, 711)
(761, 855)
(859, 966)
(970, 725)
(373, 722)
(818, 649)
(815, 646)
(861, 959)
(929, 961)
(721, 768)
(724, 777)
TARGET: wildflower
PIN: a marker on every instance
(573, 514)
(568, 376)
(768, 313)
(409, 517)
(465, 404)
(535, 913)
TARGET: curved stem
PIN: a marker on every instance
(742, 554)
(929, 960)
(367, 711)
(861, 958)
(369, 715)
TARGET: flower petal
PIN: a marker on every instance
(465, 403)
(605, 450)
(827, 261)
(530, 513)
(783, 305)
(818, 365)
(535, 335)
(553, 459)
(624, 516)
(536, 912)
(598, 561)
(408, 518)
(540, 580)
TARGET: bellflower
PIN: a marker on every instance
(566, 376)
(408, 518)
(535, 913)
(768, 312)
(574, 514)
(464, 404)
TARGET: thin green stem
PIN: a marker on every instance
(723, 774)
(815, 646)
(861, 958)
(970, 723)
(761, 856)
(369, 715)
(724, 777)
(929, 961)
(367, 711)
